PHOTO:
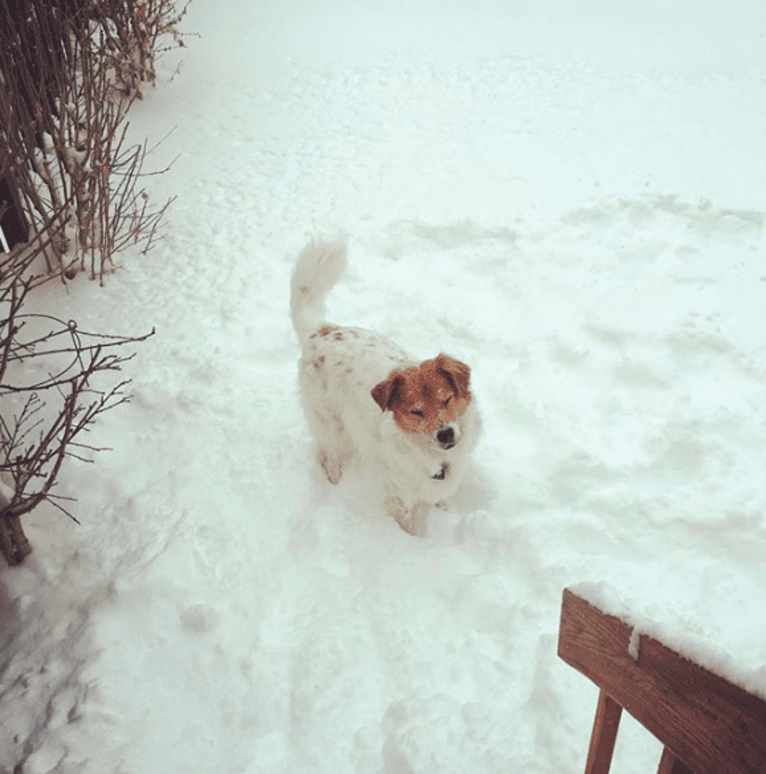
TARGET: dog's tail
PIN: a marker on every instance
(319, 267)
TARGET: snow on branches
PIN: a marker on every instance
(69, 71)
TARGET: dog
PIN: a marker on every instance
(415, 423)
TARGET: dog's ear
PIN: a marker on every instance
(385, 392)
(458, 374)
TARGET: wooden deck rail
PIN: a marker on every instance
(707, 725)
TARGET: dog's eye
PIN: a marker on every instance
(416, 412)
(446, 402)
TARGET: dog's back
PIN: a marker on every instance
(341, 362)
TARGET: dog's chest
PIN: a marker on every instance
(427, 474)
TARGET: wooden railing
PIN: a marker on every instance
(707, 725)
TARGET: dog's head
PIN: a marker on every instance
(428, 399)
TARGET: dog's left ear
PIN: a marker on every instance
(458, 374)
(385, 392)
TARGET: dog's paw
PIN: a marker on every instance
(404, 516)
(332, 468)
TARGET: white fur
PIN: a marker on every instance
(338, 369)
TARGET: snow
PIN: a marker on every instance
(570, 199)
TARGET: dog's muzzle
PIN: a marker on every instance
(445, 437)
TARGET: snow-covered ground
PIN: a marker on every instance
(569, 196)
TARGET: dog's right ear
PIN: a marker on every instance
(384, 393)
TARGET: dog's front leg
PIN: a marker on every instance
(402, 511)
(331, 442)
(332, 466)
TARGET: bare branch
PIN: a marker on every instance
(42, 433)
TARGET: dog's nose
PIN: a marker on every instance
(446, 437)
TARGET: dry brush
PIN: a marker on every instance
(69, 72)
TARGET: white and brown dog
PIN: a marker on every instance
(363, 396)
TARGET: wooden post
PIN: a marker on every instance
(13, 225)
(604, 736)
(13, 542)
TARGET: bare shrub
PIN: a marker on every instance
(69, 72)
(49, 371)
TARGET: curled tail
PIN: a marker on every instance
(319, 267)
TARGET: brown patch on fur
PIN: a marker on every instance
(324, 331)
(425, 397)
